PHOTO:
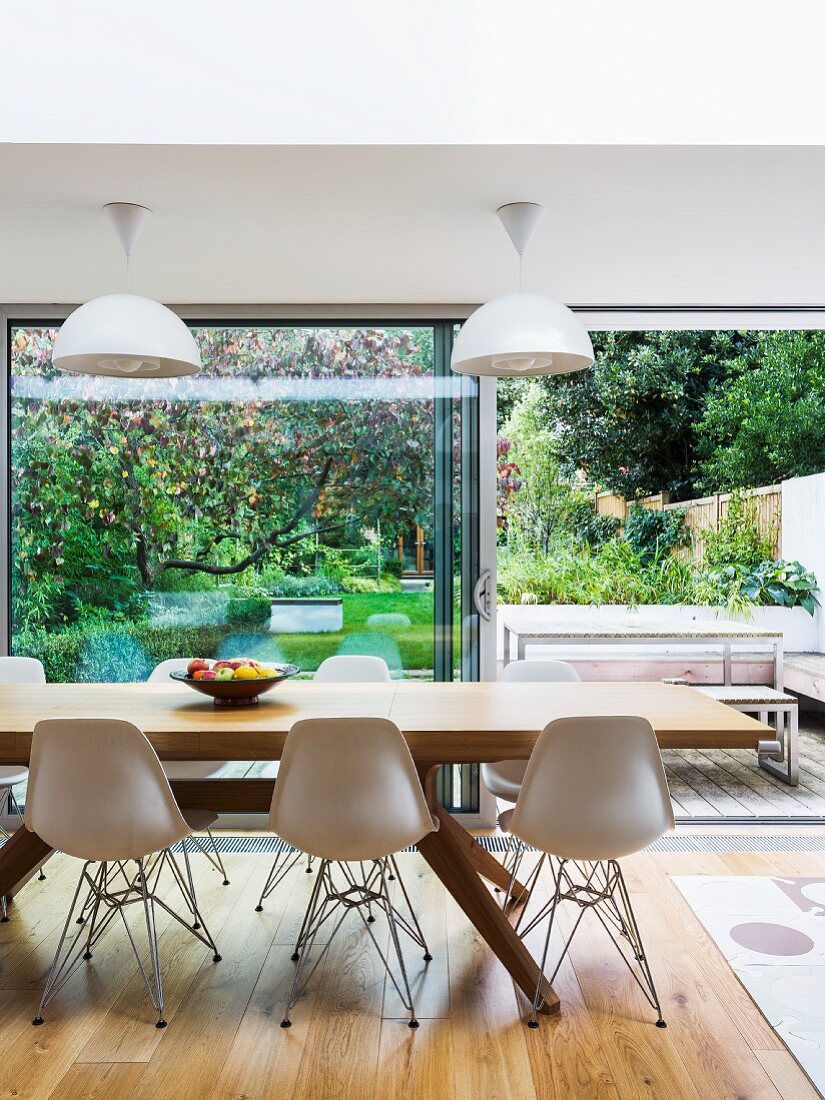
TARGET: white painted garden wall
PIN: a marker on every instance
(803, 535)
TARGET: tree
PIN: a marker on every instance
(766, 421)
(630, 422)
(115, 484)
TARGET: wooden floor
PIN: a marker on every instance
(349, 1038)
(717, 783)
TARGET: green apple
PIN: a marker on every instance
(224, 674)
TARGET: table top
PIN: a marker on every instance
(703, 629)
(443, 723)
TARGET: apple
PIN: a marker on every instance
(209, 675)
(198, 663)
(221, 664)
(224, 673)
(199, 673)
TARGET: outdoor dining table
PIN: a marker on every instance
(703, 633)
(442, 723)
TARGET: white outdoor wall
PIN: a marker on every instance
(803, 537)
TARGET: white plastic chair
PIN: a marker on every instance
(595, 791)
(98, 792)
(349, 794)
(504, 779)
(16, 670)
(200, 820)
(342, 669)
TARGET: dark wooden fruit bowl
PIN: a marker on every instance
(236, 693)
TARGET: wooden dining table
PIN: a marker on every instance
(442, 723)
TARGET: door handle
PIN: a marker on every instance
(482, 596)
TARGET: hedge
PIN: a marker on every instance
(128, 652)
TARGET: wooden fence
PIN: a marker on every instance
(704, 513)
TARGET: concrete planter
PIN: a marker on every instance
(311, 615)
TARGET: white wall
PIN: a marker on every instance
(803, 536)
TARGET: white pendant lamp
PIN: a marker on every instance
(126, 335)
(521, 334)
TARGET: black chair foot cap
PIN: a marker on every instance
(160, 1023)
(216, 958)
(87, 954)
(196, 925)
(295, 956)
(259, 909)
(4, 920)
(80, 920)
(428, 958)
(533, 1024)
(496, 890)
(286, 1023)
(413, 1024)
(371, 919)
(41, 877)
(390, 878)
(38, 1020)
(226, 882)
(309, 870)
(661, 1023)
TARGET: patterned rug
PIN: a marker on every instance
(772, 932)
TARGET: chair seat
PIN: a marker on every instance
(195, 769)
(199, 820)
(13, 774)
(504, 819)
(504, 779)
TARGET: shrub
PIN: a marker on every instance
(737, 540)
(249, 611)
(369, 585)
(393, 566)
(785, 583)
(651, 532)
(305, 586)
(588, 526)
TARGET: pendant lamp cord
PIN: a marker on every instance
(520, 271)
(128, 273)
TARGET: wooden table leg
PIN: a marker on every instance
(458, 861)
(19, 858)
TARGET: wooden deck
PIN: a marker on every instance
(349, 1038)
(719, 783)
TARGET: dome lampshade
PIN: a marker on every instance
(123, 335)
(520, 335)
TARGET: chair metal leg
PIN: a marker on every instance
(210, 851)
(278, 873)
(110, 890)
(600, 886)
(333, 899)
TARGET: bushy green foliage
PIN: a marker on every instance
(297, 587)
(587, 525)
(651, 532)
(249, 611)
(629, 424)
(364, 585)
(765, 421)
(785, 583)
(738, 539)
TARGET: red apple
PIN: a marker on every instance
(208, 675)
(195, 665)
(221, 664)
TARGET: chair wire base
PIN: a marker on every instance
(339, 888)
(209, 849)
(111, 889)
(599, 886)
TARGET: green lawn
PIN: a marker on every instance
(402, 647)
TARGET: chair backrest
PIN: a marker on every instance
(353, 669)
(348, 790)
(97, 790)
(174, 664)
(595, 788)
(548, 672)
(21, 670)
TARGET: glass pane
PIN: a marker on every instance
(277, 506)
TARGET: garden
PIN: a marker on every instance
(160, 519)
(681, 413)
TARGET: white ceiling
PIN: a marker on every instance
(416, 224)
(433, 71)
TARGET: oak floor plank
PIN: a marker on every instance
(99, 1081)
(791, 1083)
(189, 1059)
